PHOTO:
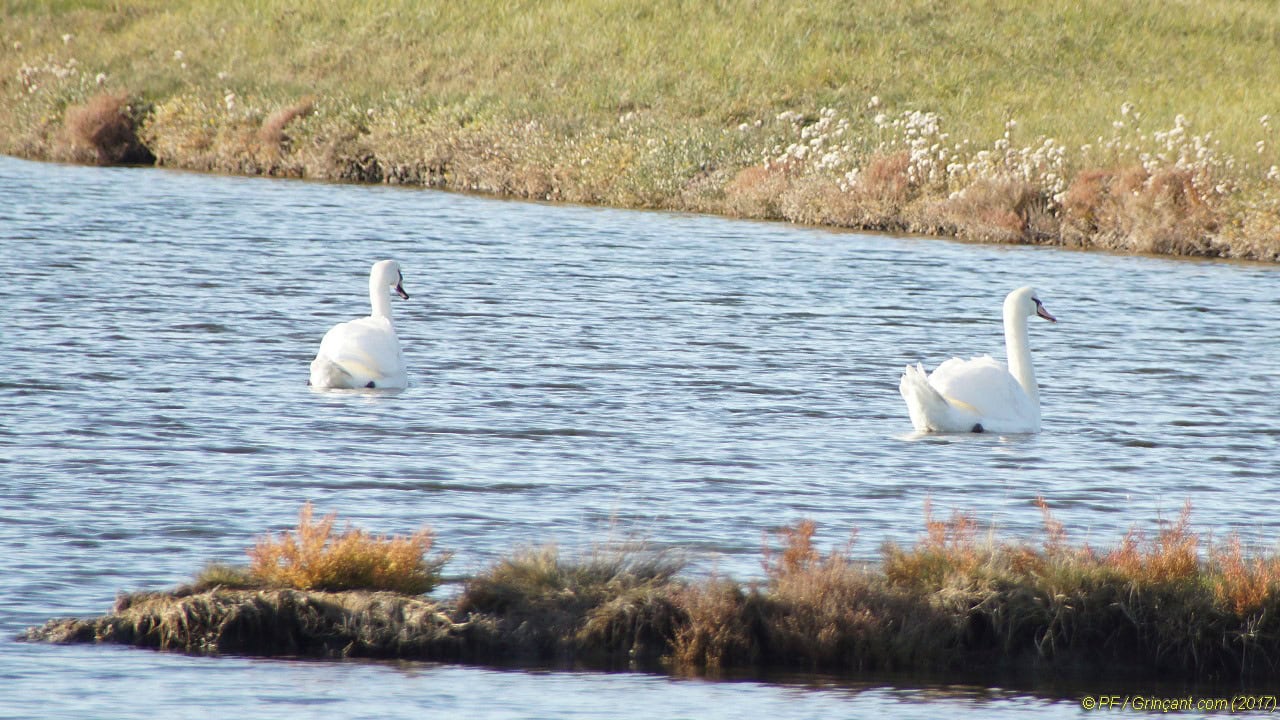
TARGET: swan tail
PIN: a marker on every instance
(929, 410)
(328, 374)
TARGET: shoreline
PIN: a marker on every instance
(1009, 213)
(1048, 133)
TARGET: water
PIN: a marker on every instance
(577, 375)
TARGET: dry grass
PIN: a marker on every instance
(1161, 605)
(1244, 584)
(272, 131)
(1139, 210)
(272, 622)
(614, 604)
(104, 130)
(313, 557)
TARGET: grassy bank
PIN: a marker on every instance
(1161, 607)
(1140, 126)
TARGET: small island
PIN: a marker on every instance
(1159, 608)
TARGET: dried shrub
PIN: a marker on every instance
(1244, 584)
(718, 631)
(1133, 209)
(272, 134)
(756, 191)
(1172, 556)
(312, 557)
(827, 611)
(997, 210)
(949, 548)
(949, 602)
(883, 189)
(105, 131)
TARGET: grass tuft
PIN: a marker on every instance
(313, 557)
(613, 602)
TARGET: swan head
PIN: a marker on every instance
(1025, 302)
(386, 274)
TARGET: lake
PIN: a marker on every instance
(577, 376)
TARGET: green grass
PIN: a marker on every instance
(640, 104)
(1062, 69)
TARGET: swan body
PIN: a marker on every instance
(365, 353)
(981, 394)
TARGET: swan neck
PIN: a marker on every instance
(379, 298)
(1018, 351)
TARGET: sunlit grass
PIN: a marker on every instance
(1142, 126)
(315, 557)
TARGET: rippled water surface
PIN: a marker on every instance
(576, 375)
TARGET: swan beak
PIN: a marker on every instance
(1045, 313)
(400, 291)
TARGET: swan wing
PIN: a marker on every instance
(360, 352)
(985, 386)
(929, 410)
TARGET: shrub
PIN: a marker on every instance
(105, 129)
(312, 557)
(717, 632)
(272, 133)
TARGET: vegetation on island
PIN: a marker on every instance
(1165, 606)
(1139, 126)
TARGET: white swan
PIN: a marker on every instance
(981, 394)
(365, 353)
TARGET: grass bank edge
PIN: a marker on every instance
(1089, 132)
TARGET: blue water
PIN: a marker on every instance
(577, 376)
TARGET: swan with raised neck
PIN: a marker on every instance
(982, 394)
(365, 353)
